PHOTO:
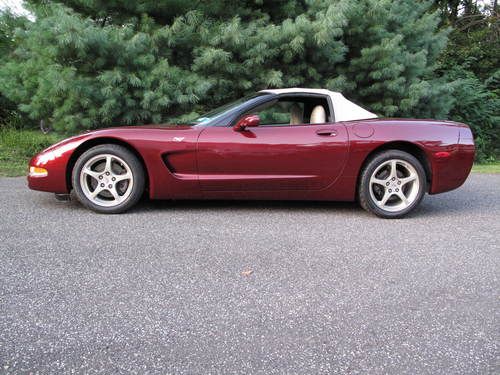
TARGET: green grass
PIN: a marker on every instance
(18, 146)
(493, 167)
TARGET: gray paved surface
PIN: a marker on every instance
(163, 289)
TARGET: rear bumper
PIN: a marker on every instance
(451, 172)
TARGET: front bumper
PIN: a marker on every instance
(48, 174)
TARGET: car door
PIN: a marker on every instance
(271, 157)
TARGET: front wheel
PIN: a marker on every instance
(392, 184)
(108, 179)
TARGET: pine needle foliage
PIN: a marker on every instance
(89, 64)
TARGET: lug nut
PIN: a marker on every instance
(397, 190)
(100, 177)
(102, 185)
(387, 184)
(390, 191)
(399, 182)
(110, 186)
(393, 178)
(113, 179)
(107, 173)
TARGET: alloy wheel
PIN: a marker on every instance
(106, 180)
(394, 185)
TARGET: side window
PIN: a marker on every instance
(293, 110)
(282, 113)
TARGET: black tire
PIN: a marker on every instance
(133, 193)
(367, 198)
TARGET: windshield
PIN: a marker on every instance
(222, 111)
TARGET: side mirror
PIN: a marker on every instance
(247, 121)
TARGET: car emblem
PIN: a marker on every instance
(178, 139)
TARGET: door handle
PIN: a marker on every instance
(326, 132)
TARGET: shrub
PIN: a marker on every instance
(130, 67)
(478, 107)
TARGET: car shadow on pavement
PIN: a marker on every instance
(258, 205)
(148, 205)
(332, 207)
(440, 205)
(451, 203)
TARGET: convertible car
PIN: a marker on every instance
(300, 144)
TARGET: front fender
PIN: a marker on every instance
(54, 160)
(151, 144)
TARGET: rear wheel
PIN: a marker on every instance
(392, 184)
(108, 179)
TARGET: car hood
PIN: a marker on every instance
(150, 126)
(119, 132)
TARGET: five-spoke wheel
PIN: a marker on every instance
(108, 178)
(392, 184)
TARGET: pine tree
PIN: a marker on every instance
(94, 64)
(8, 24)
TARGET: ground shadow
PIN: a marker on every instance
(190, 205)
(436, 205)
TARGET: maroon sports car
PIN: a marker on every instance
(301, 144)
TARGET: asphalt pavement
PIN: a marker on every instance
(250, 287)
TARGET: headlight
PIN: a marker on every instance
(38, 172)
